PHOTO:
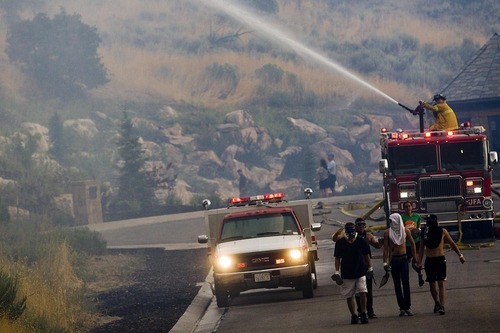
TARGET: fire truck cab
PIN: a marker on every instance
(447, 173)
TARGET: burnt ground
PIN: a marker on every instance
(160, 292)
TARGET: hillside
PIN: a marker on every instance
(157, 49)
(206, 84)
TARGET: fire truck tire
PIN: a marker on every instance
(307, 288)
(221, 296)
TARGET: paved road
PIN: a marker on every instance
(473, 293)
(473, 288)
(472, 304)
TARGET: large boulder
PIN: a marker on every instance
(308, 128)
(240, 118)
(82, 128)
(342, 136)
(323, 147)
(204, 158)
(373, 150)
(39, 131)
(151, 149)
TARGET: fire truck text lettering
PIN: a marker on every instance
(474, 202)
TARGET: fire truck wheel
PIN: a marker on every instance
(307, 288)
(222, 296)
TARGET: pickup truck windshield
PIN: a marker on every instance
(258, 226)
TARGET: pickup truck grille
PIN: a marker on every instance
(261, 260)
(440, 187)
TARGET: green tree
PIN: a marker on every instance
(135, 191)
(37, 181)
(57, 138)
(60, 54)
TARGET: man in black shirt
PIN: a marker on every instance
(352, 258)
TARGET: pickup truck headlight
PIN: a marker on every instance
(296, 254)
(224, 262)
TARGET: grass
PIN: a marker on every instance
(162, 72)
(60, 272)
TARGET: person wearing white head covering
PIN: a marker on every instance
(397, 229)
(395, 248)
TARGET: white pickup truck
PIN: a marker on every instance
(262, 241)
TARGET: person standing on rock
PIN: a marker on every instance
(332, 171)
(323, 178)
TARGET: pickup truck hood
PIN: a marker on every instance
(261, 244)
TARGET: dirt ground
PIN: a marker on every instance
(145, 290)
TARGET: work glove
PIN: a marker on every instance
(387, 268)
(369, 273)
(338, 280)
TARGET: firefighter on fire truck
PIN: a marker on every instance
(445, 118)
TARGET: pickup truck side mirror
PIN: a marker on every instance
(316, 226)
(202, 239)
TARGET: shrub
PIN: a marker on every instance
(270, 74)
(11, 306)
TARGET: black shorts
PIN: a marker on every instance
(435, 269)
(331, 181)
(324, 184)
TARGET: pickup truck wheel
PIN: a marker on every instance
(222, 296)
(314, 275)
(307, 288)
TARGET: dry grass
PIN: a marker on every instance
(57, 294)
(140, 74)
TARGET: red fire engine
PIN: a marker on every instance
(447, 173)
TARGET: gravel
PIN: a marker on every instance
(161, 292)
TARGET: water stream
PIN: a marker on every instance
(269, 31)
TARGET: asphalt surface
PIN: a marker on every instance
(470, 298)
(160, 293)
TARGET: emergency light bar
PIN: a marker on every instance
(408, 135)
(257, 199)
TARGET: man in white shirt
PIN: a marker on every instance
(332, 170)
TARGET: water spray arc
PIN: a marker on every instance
(271, 32)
